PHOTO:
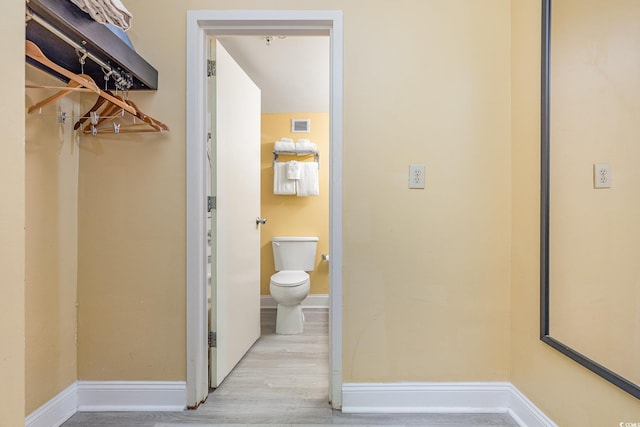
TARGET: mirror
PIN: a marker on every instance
(590, 185)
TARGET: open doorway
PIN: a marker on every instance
(202, 25)
(290, 76)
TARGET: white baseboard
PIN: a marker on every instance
(525, 412)
(311, 301)
(131, 396)
(489, 397)
(56, 411)
(91, 396)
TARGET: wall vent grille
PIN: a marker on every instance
(301, 125)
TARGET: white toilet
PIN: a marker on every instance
(293, 257)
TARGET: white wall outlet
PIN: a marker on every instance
(601, 175)
(416, 176)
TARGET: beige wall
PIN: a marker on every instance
(131, 244)
(51, 244)
(131, 237)
(12, 217)
(445, 105)
(413, 260)
(426, 274)
(292, 215)
(437, 282)
(568, 393)
(595, 240)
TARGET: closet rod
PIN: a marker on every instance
(107, 69)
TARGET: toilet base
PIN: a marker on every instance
(289, 319)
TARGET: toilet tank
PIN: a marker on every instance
(294, 253)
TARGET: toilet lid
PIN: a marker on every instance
(289, 278)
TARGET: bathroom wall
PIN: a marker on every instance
(567, 392)
(52, 155)
(292, 215)
(12, 217)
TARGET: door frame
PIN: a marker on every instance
(202, 24)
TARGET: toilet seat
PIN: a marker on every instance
(289, 278)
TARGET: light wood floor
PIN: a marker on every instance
(283, 380)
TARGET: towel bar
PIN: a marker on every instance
(316, 155)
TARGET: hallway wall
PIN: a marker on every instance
(426, 274)
(439, 285)
(568, 393)
(12, 217)
(420, 266)
(131, 242)
(52, 157)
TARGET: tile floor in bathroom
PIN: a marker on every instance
(282, 380)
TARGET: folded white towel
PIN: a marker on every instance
(282, 185)
(304, 145)
(106, 12)
(283, 145)
(293, 170)
(308, 184)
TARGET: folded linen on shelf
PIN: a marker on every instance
(106, 12)
(282, 185)
(308, 184)
(285, 144)
(305, 146)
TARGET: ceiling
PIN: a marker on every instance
(292, 72)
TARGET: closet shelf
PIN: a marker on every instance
(64, 33)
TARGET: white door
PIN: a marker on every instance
(235, 183)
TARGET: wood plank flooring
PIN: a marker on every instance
(283, 381)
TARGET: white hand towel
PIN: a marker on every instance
(308, 184)
(293, 170)
(282, 185)
(305, 146)
(285, 145)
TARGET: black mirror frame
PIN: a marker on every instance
(595, 367)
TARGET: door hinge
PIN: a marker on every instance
(211, 67)
(211, 203)
(213, 339)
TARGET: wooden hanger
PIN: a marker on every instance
(139, 127)
(159, 126)
(111, 112)
(72, 86)
(34, 52)
(110, 126)
(87, 115)
(99, 102)
(148, 119)
(115, 107)
(106, 122)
